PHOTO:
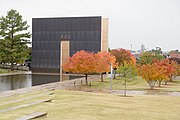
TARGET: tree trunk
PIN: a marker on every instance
(124, 74)
(101, 77)
(151, 87)
(12, 63)
(171, 78)
(166, 82)
(119, 75)
(86, 79)
(12, 66)
(125, 88)
(159, 83)
(152, 83)
(114, 77)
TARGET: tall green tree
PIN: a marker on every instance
(13, 38)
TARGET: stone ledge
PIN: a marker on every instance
(32, 116)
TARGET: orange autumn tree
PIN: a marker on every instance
(149, 72)
(69, 65)
(164, 69)
(81, 62)
(158, 71)
(168, 69)
(103, 61)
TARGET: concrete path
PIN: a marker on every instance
(133, 92)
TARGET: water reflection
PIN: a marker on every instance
(42, 79)
(11, 82)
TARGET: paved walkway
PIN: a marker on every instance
(133, 92)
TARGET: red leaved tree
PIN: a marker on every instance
(81, 62)
(103, 61)
(170, 69)
(123, 56)
(174, 69)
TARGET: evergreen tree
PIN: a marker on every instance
(13, 38)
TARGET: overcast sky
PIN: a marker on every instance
(149, 22)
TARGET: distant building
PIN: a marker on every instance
(55, 39)
(143, 49)
(174, 54)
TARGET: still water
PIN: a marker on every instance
(12, 82)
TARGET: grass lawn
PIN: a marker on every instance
(4, 71)
(135, 84)
(7, 71)
(76, 105)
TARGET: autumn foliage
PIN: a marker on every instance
(81, 62)
(88, 63)
(123, 55)
(102, 62)
(175, 69)
(158, 71)
(149, 73)
(164, 69)
(153, 70)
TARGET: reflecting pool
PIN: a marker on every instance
(12, 82)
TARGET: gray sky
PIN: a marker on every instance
(149, 22)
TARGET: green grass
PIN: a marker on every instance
(21, 96)
(73, 105)
(135, 84)
(118, 83)
(32, 96)
(76, 105)
(4, 71)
